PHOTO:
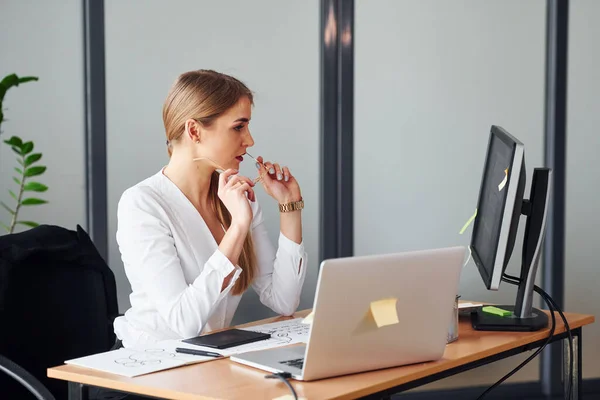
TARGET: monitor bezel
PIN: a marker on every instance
(514, 175)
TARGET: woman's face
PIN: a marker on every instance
(229, 136)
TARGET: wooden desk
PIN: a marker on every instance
(224, 379)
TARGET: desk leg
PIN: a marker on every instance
(78, 391)
(576, 393)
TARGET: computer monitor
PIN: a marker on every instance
(499, 208)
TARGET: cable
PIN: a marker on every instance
(564, 319)
(571, 350)
(552, 306)
(556, 308)
(284, 376)
(518, 368)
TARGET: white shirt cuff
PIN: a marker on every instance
(219, 263)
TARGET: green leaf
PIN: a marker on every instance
(28, 223)
(14, 141)
(27, 148)
(20, 162)
(13, 195)
(32, 202)
(16, 150)
(19, 171)
(32, 158)
(5, 227)
(33, 171)
(35, 187)
(7, 208)
(10, 80)
(17, 181)
(13, 80)
(28, 79)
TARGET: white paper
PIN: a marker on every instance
(135, 362)
(469, 305)
(290, 331)
(162, 355)
(283, 333)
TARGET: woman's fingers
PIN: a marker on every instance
(278, 172)
(241, 184)
(251, 195)
(286, 174)
(274, 170)
(259, 163)
(269, 166)
(225, 176)
(245, 187)
(232, 181)
(235, 180)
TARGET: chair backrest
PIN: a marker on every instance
(25, 379)
(57, 301)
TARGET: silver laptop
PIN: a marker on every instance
(345, 336)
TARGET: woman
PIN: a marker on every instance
(192, 237)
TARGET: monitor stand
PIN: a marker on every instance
(524, 317)
(486, 322)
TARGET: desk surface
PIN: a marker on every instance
(224, 379)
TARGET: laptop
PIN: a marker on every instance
(346, 336)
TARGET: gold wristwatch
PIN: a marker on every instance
(293, 206)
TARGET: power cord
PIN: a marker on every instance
(552, 306)
(518, 368)
(555, 307)
(284, 376)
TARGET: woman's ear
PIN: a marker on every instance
(192, 130)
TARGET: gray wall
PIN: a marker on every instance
(50, 111)
(431, 77)
(273, 48)
(583, 175)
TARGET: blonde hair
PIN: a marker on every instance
(204, 95)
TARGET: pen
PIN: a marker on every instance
(197, 352)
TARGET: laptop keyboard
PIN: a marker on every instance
(297, 363)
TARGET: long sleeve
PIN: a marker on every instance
(281, 272)
(152, 263)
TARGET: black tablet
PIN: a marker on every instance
(227, 338)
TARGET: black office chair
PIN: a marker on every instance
(27, 380)
(57, 302)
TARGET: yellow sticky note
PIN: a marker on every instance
(503, 183)
(308, 319)
(384, 312)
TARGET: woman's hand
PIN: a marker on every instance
(278, 182)
(232, 191)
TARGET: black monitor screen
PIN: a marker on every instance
(492, 199)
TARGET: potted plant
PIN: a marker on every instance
(26, 168)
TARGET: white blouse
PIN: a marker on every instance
(176, 270)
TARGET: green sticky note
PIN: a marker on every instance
(466, 225)
(496, 311)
